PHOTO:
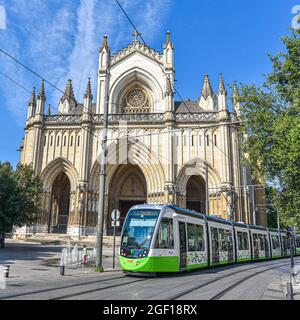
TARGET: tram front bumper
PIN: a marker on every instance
(150, 264)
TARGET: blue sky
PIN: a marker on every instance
(60, 40)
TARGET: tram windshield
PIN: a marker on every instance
(139, 228)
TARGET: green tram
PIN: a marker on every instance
(158, 238)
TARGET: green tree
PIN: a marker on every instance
(19, 197)
(272, 126)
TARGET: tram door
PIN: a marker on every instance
(230, 246)
(256, 246)
(267, 249)
(215, 245)
(182, 244)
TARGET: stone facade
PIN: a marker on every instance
(160, 150)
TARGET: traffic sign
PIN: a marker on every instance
(115, 215)
(115, 223)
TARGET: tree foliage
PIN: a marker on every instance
(19, 196)
(272, 126)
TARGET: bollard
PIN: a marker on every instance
(6, 272)
(62, 270)
(289, 295)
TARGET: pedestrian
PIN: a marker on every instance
(85, 254)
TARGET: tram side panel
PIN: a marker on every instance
(221, 243)
(285, 244)
(260, 244)
(243, 244)
(164, 253)
(197, 247)
(276, 250)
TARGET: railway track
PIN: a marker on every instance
(82, 290)
(236, 284)
(24, 294)
(223, 292)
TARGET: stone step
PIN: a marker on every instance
(61, 239)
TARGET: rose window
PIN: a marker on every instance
(136, 101)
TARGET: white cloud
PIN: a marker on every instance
(61, 40)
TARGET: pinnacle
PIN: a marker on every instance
(207, 90)
(105, 43)
(69, 92)
(42, 91)
(88, 92)
(33, 99)
(222, 89)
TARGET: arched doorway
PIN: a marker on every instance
(127, 189)
(60, 204)
(195, 194)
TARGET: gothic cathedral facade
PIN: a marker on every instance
(160, 151)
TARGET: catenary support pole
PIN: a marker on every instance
(103, 157)
(206, 191)
(253, 205)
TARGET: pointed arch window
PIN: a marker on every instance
(207, 140)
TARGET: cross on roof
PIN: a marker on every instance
(136, 34)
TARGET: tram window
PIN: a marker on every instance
(200, 237)
(275, 242)
(261, 242)
(223, 240)
(195, 237)
(242, 240)
(165, 237)
(256, 241)
(191, 229)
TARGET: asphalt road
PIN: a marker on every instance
(34, 276)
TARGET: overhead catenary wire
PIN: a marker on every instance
(168, 77)
(174, 88)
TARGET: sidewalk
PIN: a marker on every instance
(31, 264)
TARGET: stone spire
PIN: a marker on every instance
(31, 105)
(207, 100)
(207, 90)
(222, 95)
(104, 44)
(67, 101)
(69, 92)
(33, 99)
(88, 92)
(49, 110)
(42, 95)
(40, 105)
(222, 89)
(168, 37)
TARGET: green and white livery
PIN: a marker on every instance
(157, 238)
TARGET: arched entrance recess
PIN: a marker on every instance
(60, 204)
(127, 188)
(195, 194)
